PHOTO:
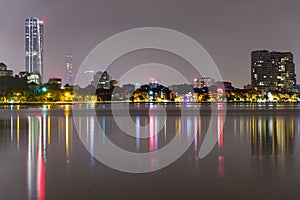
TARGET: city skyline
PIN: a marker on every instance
(232, 32)
(270, 71)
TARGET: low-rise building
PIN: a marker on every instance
(4, 71)
(55, 81)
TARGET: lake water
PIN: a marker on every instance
(257, 154)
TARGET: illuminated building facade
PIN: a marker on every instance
(55, 81)
(272, 70)
(153, 92)
(34, 46)
(33, 78)
(97, 77)
(285, 70)
(104, 81)
(69, 77)
(203, 82)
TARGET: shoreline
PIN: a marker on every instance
(126, 102)
(148, 109)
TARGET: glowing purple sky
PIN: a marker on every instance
(228, 30)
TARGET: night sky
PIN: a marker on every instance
(228, 29)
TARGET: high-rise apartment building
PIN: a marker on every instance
(34, 46)
(272, 70)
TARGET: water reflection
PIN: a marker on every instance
(265, 142)
(272, 136)
(18, 131)
(67, 124)
(137, 130)
(220, 146)
(160, 133)
(272, 144)
(31, 133)
(36, 157)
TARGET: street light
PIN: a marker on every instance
(44, 89)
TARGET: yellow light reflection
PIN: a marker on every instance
(273, 136)
(67, 138)
(49, 128)
(178, 125)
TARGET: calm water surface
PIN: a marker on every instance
(257, 155)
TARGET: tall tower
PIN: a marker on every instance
(69, 77)
(34, 46)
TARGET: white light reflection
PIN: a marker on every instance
(18, 132)
(137, 139)
(36, 157)
(92, 132)
(11, 128)
(196, 126)
(44, 134)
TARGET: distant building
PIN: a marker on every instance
(30, 78)
(153, 92)
(224, 85)
(104, 88)
(114, 83)
(196, 83)
(129, 87)
(23, 75)
(89, 77)
(203, 82)
(69, 77)
(104, 81)
(97, 77)
(154, 83)
(33, 78)
(207, 81)
(182, 89)
(248, 87)
(55, 81)
(34, 47)
(272, 70)
(4, 71)
(122, 93)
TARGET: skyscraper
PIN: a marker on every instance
(34, 46)
(69, 73)
(272, 70)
